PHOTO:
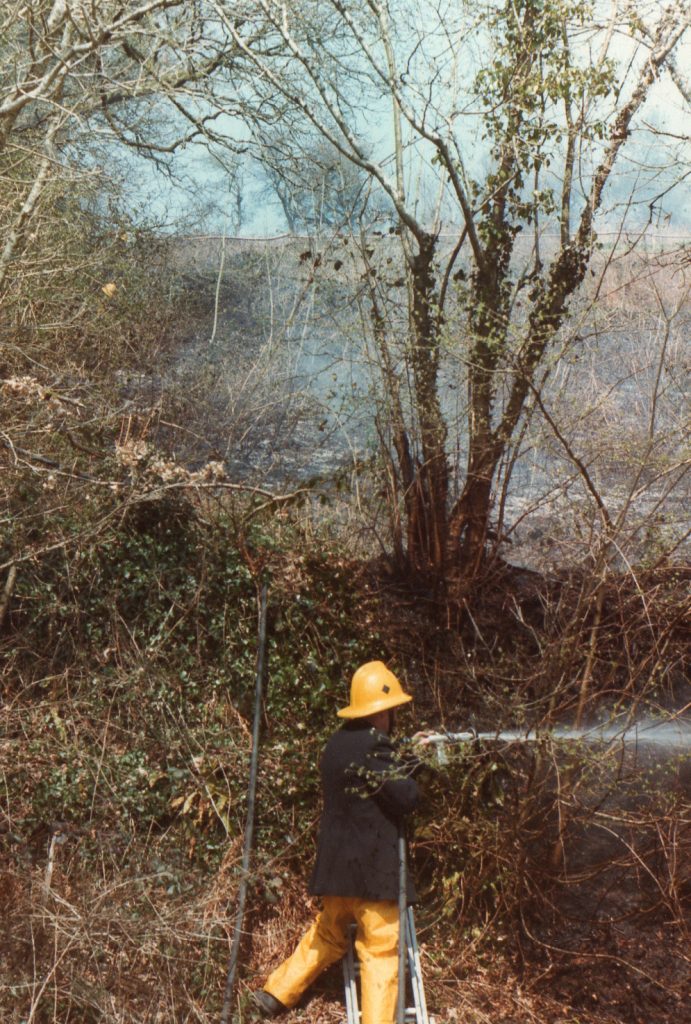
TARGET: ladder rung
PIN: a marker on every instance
(410, 1013)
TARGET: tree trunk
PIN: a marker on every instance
(469, 519)
(427, 500)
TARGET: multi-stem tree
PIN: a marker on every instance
(521, 111)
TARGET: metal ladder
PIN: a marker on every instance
(415, 1014)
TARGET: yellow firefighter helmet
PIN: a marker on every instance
(373, 688)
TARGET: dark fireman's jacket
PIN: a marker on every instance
(367, 794)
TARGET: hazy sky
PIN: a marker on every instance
(200, 193)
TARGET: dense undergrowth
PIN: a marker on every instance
(554, 879)
(127, 685)
(129, 658)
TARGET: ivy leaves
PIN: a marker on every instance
(539, 77)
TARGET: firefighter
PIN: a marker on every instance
(368, 791)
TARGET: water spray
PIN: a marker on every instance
(674, 734)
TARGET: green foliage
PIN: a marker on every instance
(142, 650)
(532, 76)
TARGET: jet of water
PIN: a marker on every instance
(673, 734)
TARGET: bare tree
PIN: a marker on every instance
(317, 188)
(79, 77)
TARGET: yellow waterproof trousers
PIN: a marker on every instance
(326, 941)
